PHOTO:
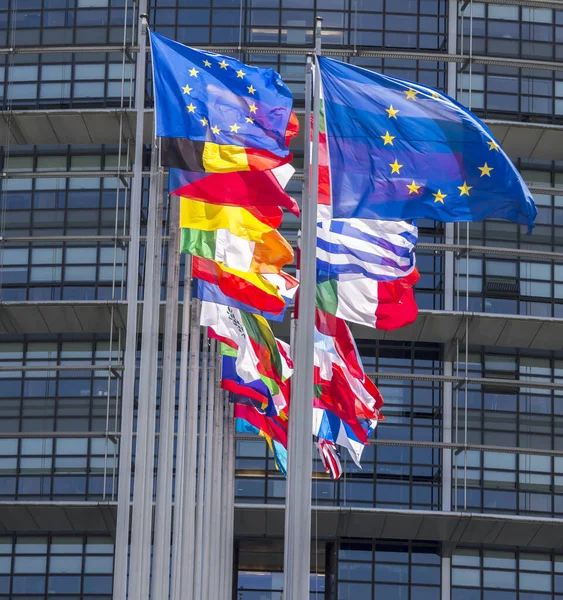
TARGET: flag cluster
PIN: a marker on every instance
(226, 129)
(390, 150)
(366, 270)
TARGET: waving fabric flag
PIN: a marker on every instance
(243, 188)
(379, 250)
(250, 288)
(278, 449)
(330, 457)
(210, 292)
(268, 255)
(383, 305)
(259, 352)
(217, 114)
(256, 390)
(329, 427)
(246, 223)
(400, 150)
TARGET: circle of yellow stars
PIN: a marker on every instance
(413, 187)
(191, 108)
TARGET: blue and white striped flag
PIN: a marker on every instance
(327, 426)
(378, 250)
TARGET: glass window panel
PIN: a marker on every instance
(55, 72)
(22, 73)
(46, 256)
(535, 581)
(501, 579)
(19, 163)
(89, 72)
(39, 447)
(54, 90)
(30, 564)
(80, 273)
(51, 163)
(66, 545)
(503, 12)
(15, 256)
(502, 560)
(5, 545)
(535, 271)
(98, 564)
(45, 274)
(467, 577)
(31, 545)
(532, 462)
(5, 564)
(499, 460)
(72, 446)
(89, 90)
(537, 15)
(65, 564)
(28, 584)
(99, 545)
(86, 163)
(535, 562)
(80, 256)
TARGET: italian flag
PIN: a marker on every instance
(383, 305)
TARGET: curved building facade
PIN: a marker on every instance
(460, 495)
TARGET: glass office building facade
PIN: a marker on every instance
(460, 496)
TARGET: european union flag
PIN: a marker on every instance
(215, 113)
(399, 150)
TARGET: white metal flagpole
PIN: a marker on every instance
(181, 443)
(199, 512)
(185, 589)
(216, 473)
(209, 452)
(130, 363)
(297, 555)
(160, 582)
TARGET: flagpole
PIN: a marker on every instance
(186, 564)
(199, 508)
(210, 451)
(179, 529)
(160, 582)
(297, 554)
(215, 500)
(230, 497)
(130, 363)
(224, 512)
(141, 523)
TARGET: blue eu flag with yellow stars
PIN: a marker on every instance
(399, 150)
(216, 114)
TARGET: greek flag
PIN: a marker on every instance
(378, 250)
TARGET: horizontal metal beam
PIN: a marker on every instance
(67, 174)
(67, 49)
(509, 383)
(89, 367)
(459, 248)
(304, 50)
(58, 434)
(554, 4)
(551, 191)
(515, 252)
(440, 446)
